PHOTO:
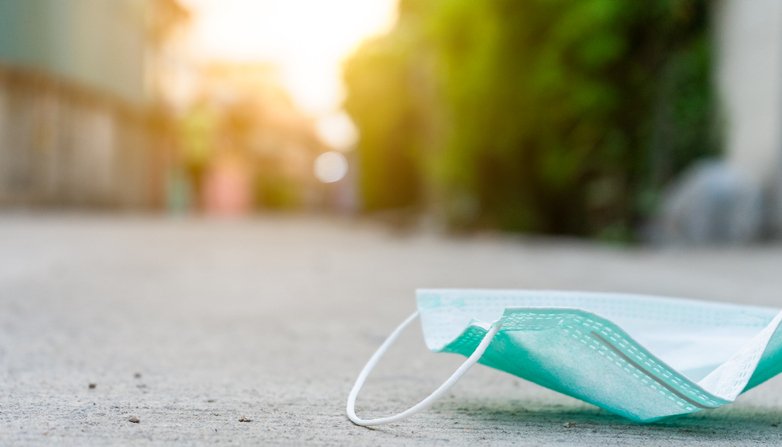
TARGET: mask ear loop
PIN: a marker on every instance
(429, 400)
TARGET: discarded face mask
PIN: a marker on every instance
(641, 357)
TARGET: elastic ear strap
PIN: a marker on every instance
(429, 400)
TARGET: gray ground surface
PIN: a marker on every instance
(271, 319)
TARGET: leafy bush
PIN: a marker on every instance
(551, 116)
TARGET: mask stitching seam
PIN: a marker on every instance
(614, 358)
(623, 355)
(642, 358)
(648, 361)
(576, 333)
(636, 354)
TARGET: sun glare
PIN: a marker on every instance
(307, 39)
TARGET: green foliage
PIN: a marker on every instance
(553, 116)
(385, 106)
(277, 192)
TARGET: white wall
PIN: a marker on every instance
(749, 76)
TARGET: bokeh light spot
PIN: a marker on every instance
(331, 167)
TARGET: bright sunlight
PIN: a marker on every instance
(306, 39)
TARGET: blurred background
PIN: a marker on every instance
(622, 121)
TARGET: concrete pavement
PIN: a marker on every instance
(191, 325)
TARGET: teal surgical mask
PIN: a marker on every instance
(641, 357)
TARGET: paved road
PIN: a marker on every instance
(190, 325)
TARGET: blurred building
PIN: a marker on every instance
(82, 117)
(249, 142)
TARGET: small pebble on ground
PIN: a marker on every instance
(245, 419)
(92, 386)
(134, 419)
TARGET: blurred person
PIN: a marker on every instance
(227, 187)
